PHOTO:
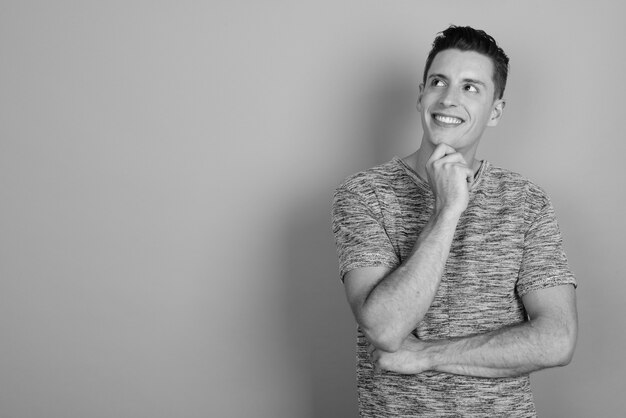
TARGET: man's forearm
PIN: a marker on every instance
(400, 300)
(547, 339)
(508, 352)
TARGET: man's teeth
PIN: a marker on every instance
(448, 119)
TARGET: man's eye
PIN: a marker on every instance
(471, 88)
(437, 83)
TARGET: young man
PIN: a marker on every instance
(453, 267)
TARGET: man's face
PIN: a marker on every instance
(457, 100)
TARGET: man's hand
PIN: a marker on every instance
(409, 359)
(449, 177)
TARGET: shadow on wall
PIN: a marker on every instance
(320, 325)
(393, 117)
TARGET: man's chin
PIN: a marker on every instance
(452, 142)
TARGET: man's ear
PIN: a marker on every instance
(419, 98)
(496, 112)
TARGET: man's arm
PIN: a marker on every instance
(547, 339)
(387, 304)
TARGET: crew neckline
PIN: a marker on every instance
(484, 164)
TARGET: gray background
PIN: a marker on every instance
(166, 171)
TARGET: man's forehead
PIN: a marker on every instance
(456, 64)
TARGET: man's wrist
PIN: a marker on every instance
(434, 352)
(447, 214)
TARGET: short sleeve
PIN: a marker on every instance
(360, 235)
(544, 263)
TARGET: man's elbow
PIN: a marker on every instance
(566, 351)
(563, 345)
(384, 340)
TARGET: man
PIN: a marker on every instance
(453, 267)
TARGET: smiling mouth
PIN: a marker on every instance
(448, 120)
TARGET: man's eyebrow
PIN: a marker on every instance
(437, 76)
(472, 81)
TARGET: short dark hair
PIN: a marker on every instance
(466, 38)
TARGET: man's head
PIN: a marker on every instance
(465, 38)
(463, 84)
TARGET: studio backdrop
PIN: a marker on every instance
(166, 174)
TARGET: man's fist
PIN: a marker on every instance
(449, 177)
(411, 358)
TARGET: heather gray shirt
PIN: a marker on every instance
(507, 243)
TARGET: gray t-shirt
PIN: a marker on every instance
(507, 243)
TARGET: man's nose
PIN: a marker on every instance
(449, 97)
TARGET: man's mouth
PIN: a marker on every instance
(447, 120)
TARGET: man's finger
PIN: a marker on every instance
(441, 151)
(455, 157)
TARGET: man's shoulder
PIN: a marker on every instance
(365, 181)
(513, 181)
(515, 187)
